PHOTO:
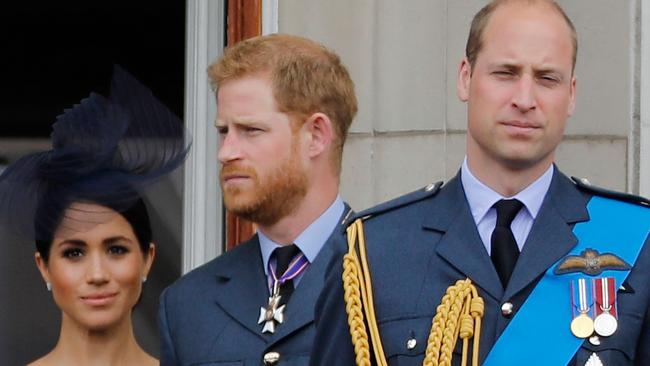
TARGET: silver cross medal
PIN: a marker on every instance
(272, 313)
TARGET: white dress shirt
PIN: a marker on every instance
(481, 198)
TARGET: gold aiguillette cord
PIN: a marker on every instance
(459, 313)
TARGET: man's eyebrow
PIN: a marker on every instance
(506, 65)
(547, 70)
(543, 69)
(243, 121)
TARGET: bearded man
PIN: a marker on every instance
(285, 104)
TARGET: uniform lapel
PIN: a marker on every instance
(551, 236)
(460, 243)
(241, 286)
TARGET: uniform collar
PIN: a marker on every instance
(312, 239)
(481, 197)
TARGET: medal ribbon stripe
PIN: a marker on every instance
(605, 323)
(611, 286)
(582, 298)
(296, 267)
(615, 227)
(601, 295)
(605, 292)
(585, 296)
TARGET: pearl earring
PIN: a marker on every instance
(49, 286)
(144, 279)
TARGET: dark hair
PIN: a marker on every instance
(135, 214)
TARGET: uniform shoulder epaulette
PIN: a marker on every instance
(584, 185)
(420, 194)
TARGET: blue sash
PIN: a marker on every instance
(539, 334)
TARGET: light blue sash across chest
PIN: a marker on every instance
(539, 334)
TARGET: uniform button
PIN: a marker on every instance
(429, 187)
(506, 309)
(271, 358)
(411, 343)
(594, 340)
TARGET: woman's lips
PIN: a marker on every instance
(100, 299)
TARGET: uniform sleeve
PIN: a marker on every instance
(643, 346)
(332, 343)
(167, 352)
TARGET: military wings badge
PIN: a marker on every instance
(591, 263)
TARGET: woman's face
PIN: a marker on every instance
(96, 267)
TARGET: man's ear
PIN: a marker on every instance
(463, 81)
(320, 132)
(572, 96)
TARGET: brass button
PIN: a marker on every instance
(507, 309)
(271, 358)
(411, 343)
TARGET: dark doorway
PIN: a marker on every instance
(55, 53)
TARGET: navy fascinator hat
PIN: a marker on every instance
(104, 151)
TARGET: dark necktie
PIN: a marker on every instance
(283, 257)
(504, 247)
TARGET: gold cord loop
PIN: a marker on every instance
(459, 313)
(358, 296)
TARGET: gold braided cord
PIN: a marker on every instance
(368, 299)
(358, 296)
(458, 315)
(352, 296)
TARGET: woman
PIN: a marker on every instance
(96, 277)
(80, 203)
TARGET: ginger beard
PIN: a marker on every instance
(271, 196)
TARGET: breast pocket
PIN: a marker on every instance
(405, 340)
(218, 363)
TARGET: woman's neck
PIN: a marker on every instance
(79, 345)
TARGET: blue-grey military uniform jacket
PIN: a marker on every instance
(421, 243)
(210, 316)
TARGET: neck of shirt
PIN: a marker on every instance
(481, 198)
(311, 240)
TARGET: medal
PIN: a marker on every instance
(582, 325)
(605, 323)
(272, 313)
